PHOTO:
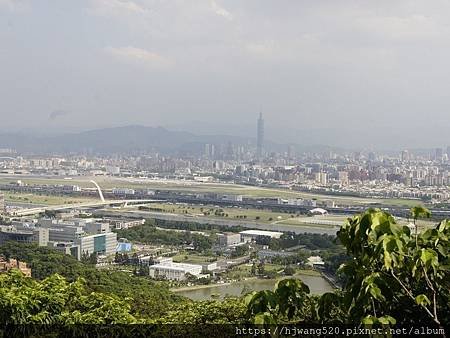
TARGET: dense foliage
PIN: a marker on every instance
(230, 310)
(148, 233)
(394, 277)
(193, 226)
(148, 298)
(54, 300)
(309, 241)
(328, 247)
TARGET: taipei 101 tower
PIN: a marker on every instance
(260, 137)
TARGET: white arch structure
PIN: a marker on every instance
(99, 190)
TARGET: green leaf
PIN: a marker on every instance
(387, 260)
(429, 257)
(422, 300)
(387, 320)
(420, 212)
(264, 318)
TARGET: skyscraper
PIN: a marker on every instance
(260, 137)
(438, 153)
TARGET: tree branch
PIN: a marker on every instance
(409, 293)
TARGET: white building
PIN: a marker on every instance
(315, 261)
(318, 211)
(174, 271)
(250, 235)
(229, 239)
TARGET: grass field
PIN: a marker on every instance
(247, 214)
(43, 199)
(184, 257)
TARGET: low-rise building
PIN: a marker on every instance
(315, 261)
(12, 263)
(125, 223)
(267, 255)
(24, 234)
(66, 248)
(96, 228)
(174, 271)
(211, 266)
(229, 239)
(252, 235)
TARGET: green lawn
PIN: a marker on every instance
(43, 199)
(247, 214)
(184, 257)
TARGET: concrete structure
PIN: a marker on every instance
(38, 210)
(124, 223)
(6, 265)
(318, 211)
(229, 239)
(315, 261)
(251, 235)
(59, 232)
(24, 234)
(163, 260)
(206, 267)
(96, 228)
(174, 271)
(66, 248)
(101, 244)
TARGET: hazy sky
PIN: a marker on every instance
(93, 63)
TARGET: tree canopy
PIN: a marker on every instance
(392, 278)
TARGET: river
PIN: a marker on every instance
(317, 285)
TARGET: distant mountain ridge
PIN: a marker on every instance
(129, 139)
(109, 140)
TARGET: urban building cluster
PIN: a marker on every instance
(166, 268)
(78, 237)
(406, 174)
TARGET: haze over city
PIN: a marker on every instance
(321, 72)
(224, 168)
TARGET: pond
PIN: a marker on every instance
(317, 285)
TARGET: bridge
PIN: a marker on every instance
(93, 204)
(33, 211)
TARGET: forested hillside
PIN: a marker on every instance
(393, 277)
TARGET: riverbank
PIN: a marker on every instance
(317, 284)
(306, 274)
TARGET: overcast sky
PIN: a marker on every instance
(94, 63)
